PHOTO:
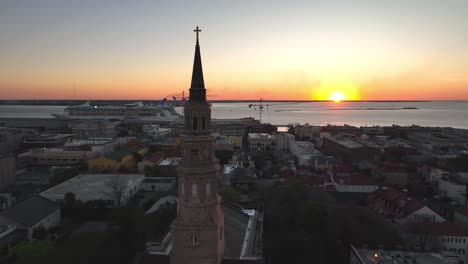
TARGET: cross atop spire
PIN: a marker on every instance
(197, 88)
(196, 30)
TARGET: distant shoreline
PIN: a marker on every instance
(117, 102)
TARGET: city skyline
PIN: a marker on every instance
(271, 50)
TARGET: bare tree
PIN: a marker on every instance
(117, 185)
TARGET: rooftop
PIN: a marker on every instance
(166, 199)
(90, 141)
(366, 256)
(155, 157)
(91, 185)
(261, 135)
(172, 161)
(31, 210)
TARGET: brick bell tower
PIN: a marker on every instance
(198, 230)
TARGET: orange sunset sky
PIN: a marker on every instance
(278, 50)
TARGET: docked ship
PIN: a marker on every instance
(129, 113)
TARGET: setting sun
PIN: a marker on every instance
(336, 91)
(337, 96)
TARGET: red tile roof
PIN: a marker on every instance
(156, 157)
(394, 202)
(391, 167)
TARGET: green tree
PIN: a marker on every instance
(36, 251)
(303, 224)
(60, 175)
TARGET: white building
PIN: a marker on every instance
(354, 184)
(168, 166)
(261, 142)
(283, 140)
(155, 131)
(304, 151)
(94, 187)
(453, 189)
(424, 213)
(446, 237)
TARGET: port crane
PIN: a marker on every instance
(260, 106)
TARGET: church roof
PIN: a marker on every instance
(235, 227)
(197, 88)
(197, 74)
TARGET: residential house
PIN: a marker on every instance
(445, 237)
(401, 207)
(125, 158)
(150, 161)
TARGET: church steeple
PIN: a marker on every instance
(197, 232)
(197, 88)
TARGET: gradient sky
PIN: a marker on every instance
(371, 50)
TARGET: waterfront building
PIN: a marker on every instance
(103, 146)
(306, 131)
(46, 140)
(84, 129)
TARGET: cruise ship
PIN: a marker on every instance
(129, 113)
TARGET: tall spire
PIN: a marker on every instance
(197, 88)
